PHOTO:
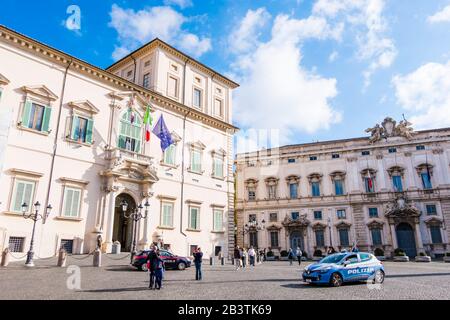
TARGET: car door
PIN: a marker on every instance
(350, 269)
(169, 259)
(366, 264)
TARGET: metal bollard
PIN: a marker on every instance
(5, 257)
(232, 261)
(97, 258)
(211, 261)
(62, 258)
(222, 261)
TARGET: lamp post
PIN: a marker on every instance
(36, 216)
(136, 215)
(329, 228)
(252, 225)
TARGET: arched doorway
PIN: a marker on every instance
(123, 228)
(297, 240)
(406, 239)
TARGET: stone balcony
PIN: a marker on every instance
(117, 153)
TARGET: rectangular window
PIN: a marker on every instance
(23, 193)
(146, 81)
(341, 214)
(426, 181)
(67, 244)
(318, 215)
(196, 163)
(392, 150)
(81, 129)
(218, 220)
(253, 239)
(251, 194)
(291, 160)
(365, 153)
(343, 237)
(431, 210)
(167, 214)
(418, 148)
(169, 155)
(274, 239)
(36, 116)
(197, 98)
(436, 236)
(397, 182)
(313, 158)
(194, 218)
(272, 192)
(172, 89)
(320, 238)
(293, 190)
(315, 186)
(373, 212)
(16, 244)
(368, 182)
(273, 217)
(339, 187)
(335, 156)
(376, 237)
(71, 205)
(295, 215)
(218, 167)
(218, 112)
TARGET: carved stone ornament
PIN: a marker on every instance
(400, 208)
(390, 128)
(301, 222)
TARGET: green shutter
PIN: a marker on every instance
(20, 189)
(68, 202)
(75, 203)
(46, 120)
(137, 146)
(75, 128)
(121, 142)
(90, 125)
(26, 114)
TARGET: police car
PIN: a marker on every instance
(338, 268)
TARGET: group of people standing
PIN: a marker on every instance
(295, 255)
(156, 268)
(241, 256)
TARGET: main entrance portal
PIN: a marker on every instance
(123, 228)
(406, 239)
(297, 240)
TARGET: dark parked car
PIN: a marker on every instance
(171, 261)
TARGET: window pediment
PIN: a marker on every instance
(251, 182)
(364, 173)
(319, 226)
(175, 137)
(375, 224)
(271, 181)
(293, 179)
(335, 175)
(422, 168)
(433, 221)
(3, 80)
(26, 173)
(396, 170)
(41, 92)
(84, 105)
(343, 225)
(198, 145)
(219, 153)
(315, 177)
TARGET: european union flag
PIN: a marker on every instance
(163, 134)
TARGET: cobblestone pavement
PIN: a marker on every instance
(268, 281)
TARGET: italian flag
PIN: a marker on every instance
(148, 123)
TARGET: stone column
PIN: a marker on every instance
(393, 236)
(419, 242)
(111, 204)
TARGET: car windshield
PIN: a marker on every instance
(334, 258)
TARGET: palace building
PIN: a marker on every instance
(387, 191)
(72, 136)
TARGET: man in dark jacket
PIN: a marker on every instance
(237, 257)
(152, 261)
(198, 258)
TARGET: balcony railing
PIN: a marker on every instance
(117, 153)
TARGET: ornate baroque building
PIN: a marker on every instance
(72, 136)
(388, 191)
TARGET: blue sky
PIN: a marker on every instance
(313, 70)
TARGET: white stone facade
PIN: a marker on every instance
(407, 213)
(62, 123)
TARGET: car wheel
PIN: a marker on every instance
(181, 266)
(379, 277)
(144, 267)
(336, 280)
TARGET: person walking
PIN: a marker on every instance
(198, 259)
(299, 255)
(151, 265)
(244, 258)
(252, 256)
(159, 271)
(237, 257)
(291, 256)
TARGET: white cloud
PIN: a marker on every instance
(440, 16)
(333, 56)
(425, 93)
(276, 91)
(135, 28)
(373, 44)
(181, 3)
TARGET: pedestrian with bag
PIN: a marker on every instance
(299, 255)
(237, 257)
(290, 256)
(198, 259)
(252, 256)
(159, 271)
(151, 265)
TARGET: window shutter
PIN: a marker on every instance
(75, 128)
(46, 120)
(68, 202)
(20, 190)
(26, 114)
(75, 203)
(122, 142)
(90, 125)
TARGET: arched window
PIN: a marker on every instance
(130, 134)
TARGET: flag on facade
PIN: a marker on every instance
(148, 123)
(163, 134)
(369, 181)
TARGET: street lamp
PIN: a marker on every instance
(136, 215)
(35, 217)
(329, 228)
(252, 225)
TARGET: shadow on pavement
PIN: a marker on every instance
(116, 290)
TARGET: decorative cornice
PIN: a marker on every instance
(64, 59)
(3, 80)
(20, 172)
(85, 105)
(74, 181)
(40, 91)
